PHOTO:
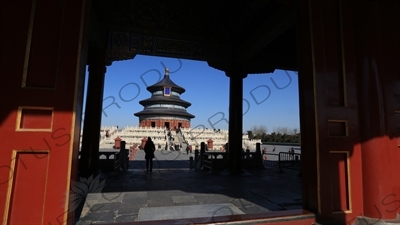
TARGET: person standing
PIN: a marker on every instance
(187, 149)
(291, 152)
(265, 153)
(149, 149)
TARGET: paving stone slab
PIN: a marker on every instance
(158, 203)
(212, 199)
(100, 216)
(140, 202)
(111, 197)
(186, 203)
(191, 211)
(134, 195)
(126, 218)
(106, 206)
(170, 188)
(183, 199)
(129, 209)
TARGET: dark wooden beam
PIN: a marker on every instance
(97, 34)
(277, 24)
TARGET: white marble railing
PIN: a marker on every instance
(194, 136)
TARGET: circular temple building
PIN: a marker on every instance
(165, 108)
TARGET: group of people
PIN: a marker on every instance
(149, 149)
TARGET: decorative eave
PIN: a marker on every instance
(164, 112)
(163, 100)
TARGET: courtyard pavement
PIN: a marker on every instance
(174, 191)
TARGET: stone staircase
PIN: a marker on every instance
(182, 142)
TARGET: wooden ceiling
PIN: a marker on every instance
(257, 36)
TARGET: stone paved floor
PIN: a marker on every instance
(120, 196)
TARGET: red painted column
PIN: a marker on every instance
(379, 80)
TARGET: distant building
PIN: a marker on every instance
(165, 108)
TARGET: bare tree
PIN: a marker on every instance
(282, 130)
(259, 130)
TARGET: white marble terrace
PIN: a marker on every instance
(194, 136)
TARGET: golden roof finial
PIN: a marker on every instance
(167, 71)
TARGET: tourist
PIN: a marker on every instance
(247, 154)
(149, 149)
(291, 152)
(188, 149)
(265, 153)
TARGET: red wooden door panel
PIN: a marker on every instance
(333, 138)
(42, 70)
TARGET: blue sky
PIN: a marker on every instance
(269, 99)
